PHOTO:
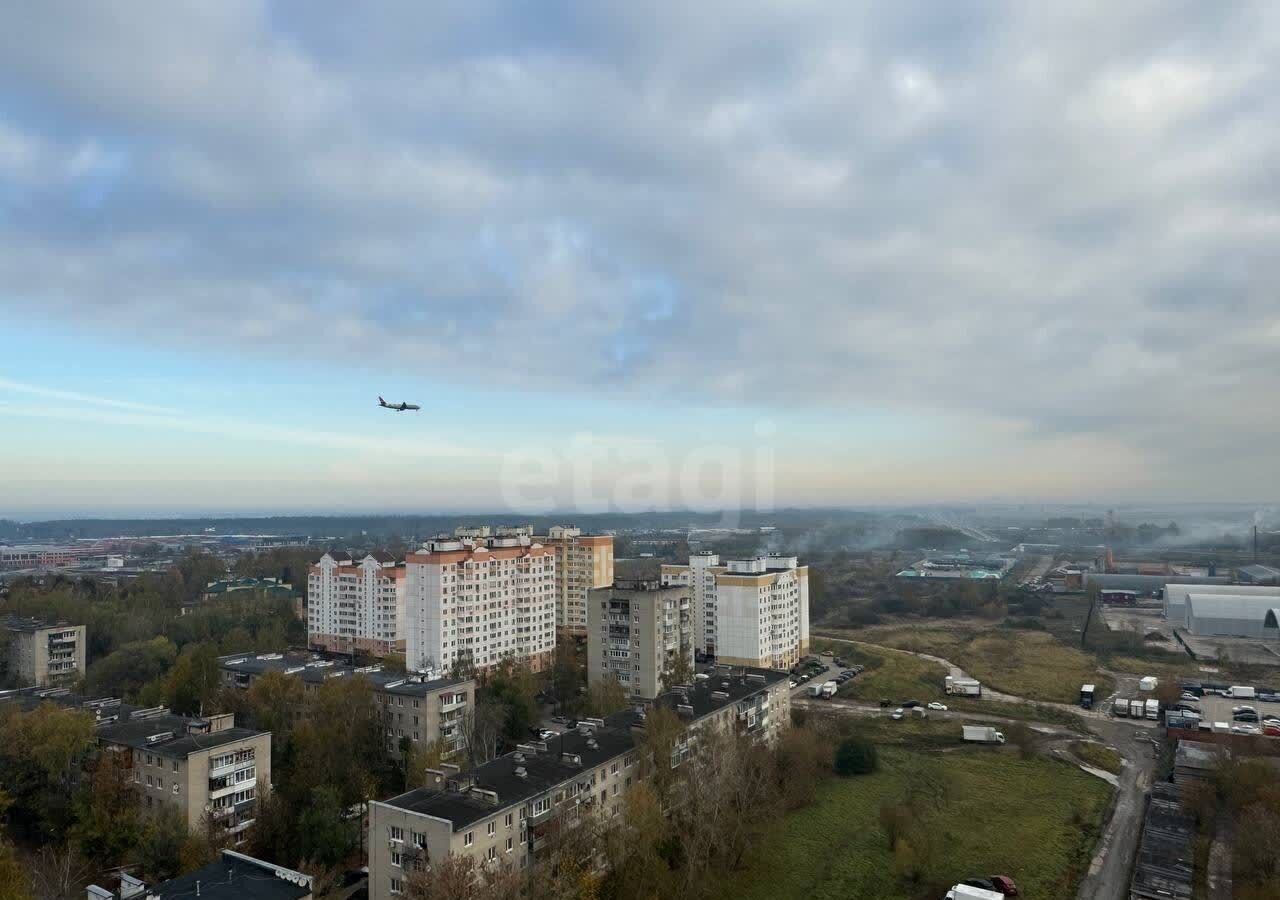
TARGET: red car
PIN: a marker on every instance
(1004, 884)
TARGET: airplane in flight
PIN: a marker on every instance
(398, 407)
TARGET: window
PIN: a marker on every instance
(508, 820)
(397, 886)
(175, 765)
(397, 833)
(150, 781)
(493, 827)
(468, 838)
(510, 845)
(395, 859)
(492, 854)
(177, 788)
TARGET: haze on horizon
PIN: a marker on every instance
(883, 253)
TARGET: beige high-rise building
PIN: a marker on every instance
(750, 612)
(356, 605)
(45, 654)
(638, 631)
(584, 562)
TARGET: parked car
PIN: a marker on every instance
(1245, 728)
(1187, 695)
(985, 883)
(1245, 717)
(885, 703)
(939, 707)
(1244, 708)
(792, 683)
(898, 713)
(838, 661)
(1004, 884)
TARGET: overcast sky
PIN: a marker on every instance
(879, 251)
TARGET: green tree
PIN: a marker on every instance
(605, 696)
(856, 756)
(327, 836)
(13, 877)
(108, 826)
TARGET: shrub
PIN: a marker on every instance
(856, 756)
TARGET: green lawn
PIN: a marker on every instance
(1034, 820)
(1031, 664)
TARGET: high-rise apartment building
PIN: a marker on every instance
(482, 599)
(43, 653)
(584, 562)
(638, 631)
(749, 612)
(356, 606)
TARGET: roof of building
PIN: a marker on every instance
(1259, 571)
(315, 670)
(1230, 606)
(235, 877)
(516, 777)
(1198, 755)
(31, 624)
(148, 734)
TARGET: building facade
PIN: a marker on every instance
(480, 600)
(749, 612)
(500, 813)
(45, 654)
(356, 606)
(413, 708)
(637, 632)
(584, 562)
(206, 769)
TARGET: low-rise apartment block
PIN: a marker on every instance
(203, 767)
(500, 813)
(414, 708)
(356, 605)
(638, 631)
(584, 562)
(43, 653)
(481, 599)
(233, 877)
(749, 612)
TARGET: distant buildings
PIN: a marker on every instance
(1257, 574)
(270, 587)
(748, 612)
(481, 599)
(960, 566)
(233, 877)
(45, 654)
(638, 631)
(501, 813)
(415, 709)
(356, 606)
(583, 562)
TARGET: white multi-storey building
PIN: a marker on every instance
(480, 599)
(356, 606)
(750, 612)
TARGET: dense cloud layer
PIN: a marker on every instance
(1063, 217)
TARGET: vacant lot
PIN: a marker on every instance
(897, 676)
(1034, 820)
(1098, 755)
(1026, 663)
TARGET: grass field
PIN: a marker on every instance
(1025, 663)
(1034, 820)
(1097, 755)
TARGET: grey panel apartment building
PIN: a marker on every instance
(500, 812)
(637, 631)
(43, 653)
(413, 708)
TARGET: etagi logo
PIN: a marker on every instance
(604, 473)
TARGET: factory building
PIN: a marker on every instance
(1175, 597)
(1230, 615)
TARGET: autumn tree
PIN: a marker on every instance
(605, 696)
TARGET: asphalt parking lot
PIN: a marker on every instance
(1218, 709)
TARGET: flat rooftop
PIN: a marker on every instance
(234, 877)
(522, 775)
(315, 670)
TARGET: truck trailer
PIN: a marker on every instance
(829, 689)
(965, 892)
(1120, 707)
(1086, 696)
(983, 734)
(964, 687)
(1137, 709)
(1153, 710)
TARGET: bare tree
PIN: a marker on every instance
(58, 873)
(481, 728)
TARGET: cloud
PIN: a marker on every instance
(1059, 218)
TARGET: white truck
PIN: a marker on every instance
(1137, 709)
(965, 892)
(829, 689)
(983, 734)
(1120, 707)
(1153, 710)
(1241, 692)
(965, 687)
(815, 690)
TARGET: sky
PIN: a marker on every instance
(630, 256)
